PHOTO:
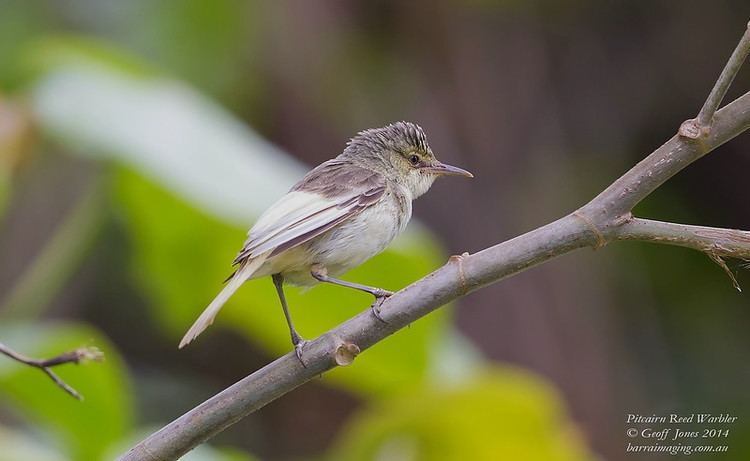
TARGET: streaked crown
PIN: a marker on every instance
(399, 137)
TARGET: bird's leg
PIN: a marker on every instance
(297, 340)
(320, 274)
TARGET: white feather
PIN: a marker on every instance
(287, 211)
(294, 215)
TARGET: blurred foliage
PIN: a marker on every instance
(168, 148)
(100, 102)
(499, 414)
(57, 260)
(16, 136)
(43, 57)
(20, 446)
(135, 91)
(4, 189)
(190, 36)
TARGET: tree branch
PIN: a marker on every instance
(77, 356)
(716, 241)
(606, 218)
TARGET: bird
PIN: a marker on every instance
(339, 215)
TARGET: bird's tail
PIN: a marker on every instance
(207, 317)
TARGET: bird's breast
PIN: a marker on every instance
(363, 236)
(347, 245)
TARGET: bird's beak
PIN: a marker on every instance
(442, 169)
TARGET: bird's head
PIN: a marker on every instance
(400, 152)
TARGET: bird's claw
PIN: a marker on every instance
(298, 346)
(375, 307)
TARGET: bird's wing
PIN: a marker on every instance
(328, 195)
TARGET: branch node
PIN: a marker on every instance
(693, 129)
(600, 240)
(345, 353)
(720, 261)
(459, 260)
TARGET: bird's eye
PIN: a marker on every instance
(414, 159)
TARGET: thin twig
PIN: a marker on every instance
(723, 265)
(706, 115)
(717, 241)
(606, 218)
(77, 356)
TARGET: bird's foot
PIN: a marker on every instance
(298, 350)
(299, 344)
(380, 296)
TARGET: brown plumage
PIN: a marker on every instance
(340, 214)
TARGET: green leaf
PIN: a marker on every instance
(159, 127)
(83, 428)
(44, 57)
(502, 413)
